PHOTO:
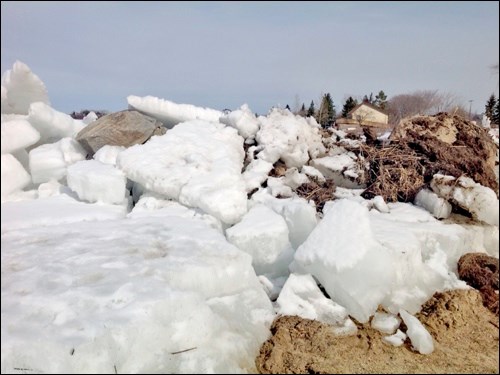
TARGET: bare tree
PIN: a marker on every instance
(422, 102)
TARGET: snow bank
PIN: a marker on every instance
(20, 88)
(170, 113)
(197, 163)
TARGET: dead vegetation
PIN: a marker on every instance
(425, 145)
(319, 192)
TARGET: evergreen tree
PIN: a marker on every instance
(349, 104)
(288, 107)
(381, 100)
(327, 112)
(495, 116)
(365, 99)
(303, 110)
(489, 108)
(311, 110)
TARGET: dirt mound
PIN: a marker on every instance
(481, 272)
(465, 337)
(422, 146)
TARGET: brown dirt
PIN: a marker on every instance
(422, 146)
(481, 272)
(465, 337)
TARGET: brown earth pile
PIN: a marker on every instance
(465, 337)
(481, 272)
(422, 146)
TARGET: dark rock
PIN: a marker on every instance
(124, 128)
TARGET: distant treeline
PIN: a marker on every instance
(80, 115)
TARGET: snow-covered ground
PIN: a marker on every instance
(157, 259)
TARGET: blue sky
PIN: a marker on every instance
(92, 55)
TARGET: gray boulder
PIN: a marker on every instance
(124, 128)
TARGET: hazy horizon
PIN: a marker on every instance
(92, 55)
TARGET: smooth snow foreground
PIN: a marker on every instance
(129, 296)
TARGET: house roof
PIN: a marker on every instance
(368, 105)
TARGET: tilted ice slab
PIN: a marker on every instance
(144, 295)
(197, 163)
(51, 124)
(14, 176)
(397, 259)
(342, 253)
(20, 88)
(51, 160)
(263, 234)
(301, 296)
(170, 113)
(17, 135)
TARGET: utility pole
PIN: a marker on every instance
(470, 107)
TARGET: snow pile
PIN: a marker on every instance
(256, 173)
(293, 139)
(197, 163)
(243, 120)
(170, 113)
(20, 88)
